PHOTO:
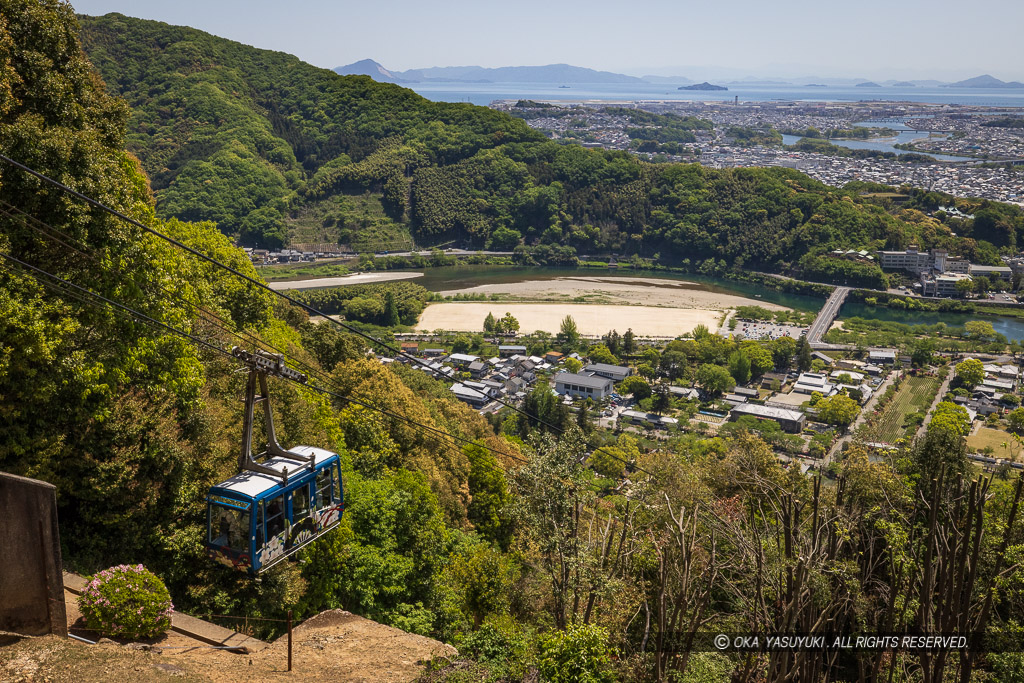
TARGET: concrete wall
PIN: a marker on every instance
(31, 580)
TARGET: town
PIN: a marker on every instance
(987, 153)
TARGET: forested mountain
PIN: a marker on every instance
(254, 139)
(133, 423)
(543, 556)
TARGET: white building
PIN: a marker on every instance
(809, 382)
(583, 386)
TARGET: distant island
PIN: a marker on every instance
(815, 85)
(985, 81)
(867, 84)
(702, 86)
(368, 67)
(904, 84)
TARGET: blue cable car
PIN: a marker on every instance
(279, 501)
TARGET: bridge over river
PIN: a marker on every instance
(824, 321)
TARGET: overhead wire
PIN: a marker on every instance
(244, 336)
(262, 285)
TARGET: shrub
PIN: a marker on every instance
(577, 655)
(126, 602)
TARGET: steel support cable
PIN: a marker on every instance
(264, 286)
(77, 294)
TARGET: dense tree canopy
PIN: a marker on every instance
(250, 138)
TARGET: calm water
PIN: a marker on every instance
(887, 145)
(485, 93)
(1011, 328)
(442, 279)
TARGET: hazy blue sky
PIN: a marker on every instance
(945, 39)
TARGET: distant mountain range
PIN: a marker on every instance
(551, 73)
(985, 81)
(561, 74)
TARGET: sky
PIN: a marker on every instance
(877, 39)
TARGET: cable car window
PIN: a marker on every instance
(323, 488)
(337, 482)
(300, 504)
(275, 517)
(259, 525)
(229, 528)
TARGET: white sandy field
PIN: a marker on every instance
(354, 279)
(617, 290)
(650, 321)
(652, 307)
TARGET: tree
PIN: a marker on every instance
(612, 340)
(507, 325)
(964, 286)
(662, 399)
(921, 353)
(568, 334)
(583, 417)
(952, 418)
(488, 511)
(761, 359)
(739, 367)
(391, 315)
(1016, 420)
(970, 372)
(462, 343)
(599, 353)
(783, 349)
(628, 342)
(637, 386)
(482, 579)
(573, 364)
(714, 378)
(979, 329)
(804, 357)
(490, 324)
(838, 410)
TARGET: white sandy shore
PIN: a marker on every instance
(354, 279)
(617, 290)
(590, 318)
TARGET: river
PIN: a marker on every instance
(902, 136)
(465, 277)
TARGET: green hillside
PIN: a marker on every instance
(275, 150)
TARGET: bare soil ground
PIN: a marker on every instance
(616, 290)
(590, 318)
(332, 646)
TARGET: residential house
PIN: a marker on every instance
(616, 373)
(790, 420)
(582, 386)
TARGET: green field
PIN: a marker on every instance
(994, 438)
(915, 394)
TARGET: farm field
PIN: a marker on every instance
(915, 394)
(986, 437)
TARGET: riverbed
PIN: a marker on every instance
(591, 319)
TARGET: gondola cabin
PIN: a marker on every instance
(256, 519)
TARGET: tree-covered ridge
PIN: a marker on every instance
(228, 132)
(248, 137)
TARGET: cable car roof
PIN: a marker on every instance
(254, 484)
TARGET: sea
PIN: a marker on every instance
(485, 93)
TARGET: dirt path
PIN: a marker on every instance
(332, 646)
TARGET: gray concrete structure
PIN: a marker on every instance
(31, 573)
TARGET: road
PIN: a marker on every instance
(866, 410)
(826, 316)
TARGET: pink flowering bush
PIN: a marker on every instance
(126, 601)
